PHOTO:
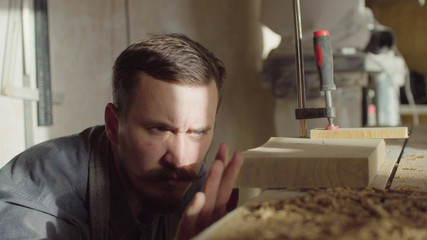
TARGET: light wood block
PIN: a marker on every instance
(360, 133)
(299, 163)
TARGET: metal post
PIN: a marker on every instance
(299, 66)
(43, 63)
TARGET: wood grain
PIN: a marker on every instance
(360, 133)
(301, 163)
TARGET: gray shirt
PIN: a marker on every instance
(45, 194)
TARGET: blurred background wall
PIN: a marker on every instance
(86, 37)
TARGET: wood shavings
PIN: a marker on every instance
(414, 157)
(339, 213)
(409, 169)
(408, 188)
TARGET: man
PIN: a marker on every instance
(142, 175)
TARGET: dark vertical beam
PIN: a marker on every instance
(43, 77)
(127, 15)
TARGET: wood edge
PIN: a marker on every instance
(321, 133)
(379, 154)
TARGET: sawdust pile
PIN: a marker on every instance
(337, 214)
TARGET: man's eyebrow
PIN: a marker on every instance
(159, 123)
(203, 129)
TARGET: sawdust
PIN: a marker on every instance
(408, 188)
(339, 213)
(413, 157)
(409, 169)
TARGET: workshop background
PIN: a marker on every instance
(86, 36)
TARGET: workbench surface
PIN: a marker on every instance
(411, 169)
(405, 168)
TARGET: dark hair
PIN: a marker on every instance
(171, 57)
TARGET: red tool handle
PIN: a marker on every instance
(324, 60)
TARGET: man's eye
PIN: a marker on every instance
(198, 133)
(160, 129)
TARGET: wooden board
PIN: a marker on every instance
(411, 173)
(299, 163)
(393, 148)
(360, 133)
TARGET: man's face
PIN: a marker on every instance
(165, 136)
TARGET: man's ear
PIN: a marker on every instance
(111, 119)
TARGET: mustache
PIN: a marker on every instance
(167, 174)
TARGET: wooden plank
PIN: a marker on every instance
(411, 173)
(393, 149)
(360, 133)
(299, 163)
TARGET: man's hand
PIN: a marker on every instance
(209, 205)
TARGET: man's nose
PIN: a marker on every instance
(175, 147)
